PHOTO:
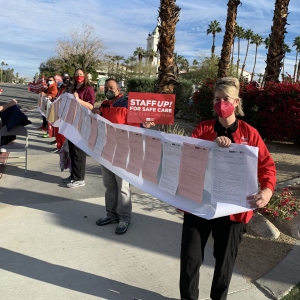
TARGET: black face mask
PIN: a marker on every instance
(66, 81)
(110, 95)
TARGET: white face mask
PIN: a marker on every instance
(50, 82)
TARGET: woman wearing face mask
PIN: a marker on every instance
(226, 231)
(85, 95)
(50, 93)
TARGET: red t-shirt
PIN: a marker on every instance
(87, 94)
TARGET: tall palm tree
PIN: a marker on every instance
(118, 58)
(150, 54)
(257, 40)
(168, 16)
(267, 42)
(240, 35)
(276, 49)
(248, 36)
(2, 64)
(213, 28)
(230, 29)
(232, 49)
(139, 53)
(286, 49)
(296, 43)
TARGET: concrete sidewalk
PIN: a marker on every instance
(50, 247)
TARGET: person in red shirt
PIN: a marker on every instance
(51, 93)
(85, 95)
(117, 194)
(227, 231)
(64, 88)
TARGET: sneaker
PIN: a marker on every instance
(67, 180)
(45, 135)
(54, 150)
(75, 184)
(122, 228)
(106, 220)
(53, 143)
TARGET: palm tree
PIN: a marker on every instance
(257, 40)
(267, 42)
(296, 43)
(213, 28)
(276, 47)
(168, 16)
(230, 29)
(286, 49)
(240, 35)
(150, 54)
(2, 64)
(118, 58)
(232, 50)
(139, 53)
(248, 36)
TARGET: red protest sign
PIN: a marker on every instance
(148, 107)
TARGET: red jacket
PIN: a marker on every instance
(52, 90)
(247, 135)
(116, 111)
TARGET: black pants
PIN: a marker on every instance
(78, 160)
(45, 123)
(227, 236)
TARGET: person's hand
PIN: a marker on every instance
(76, 95)
(96, 110)
(43, 94)
(13, 102)
(49, 97)
(223, 141)
(261, 199)
(148, 124)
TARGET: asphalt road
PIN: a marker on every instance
(20, 93)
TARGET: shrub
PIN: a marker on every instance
(143, 85)
(283, 204)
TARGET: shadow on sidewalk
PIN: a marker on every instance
(72, 279)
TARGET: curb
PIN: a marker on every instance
(288, 270)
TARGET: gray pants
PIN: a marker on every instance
(117, 196)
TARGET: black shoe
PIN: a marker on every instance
(122, 228)
(67, 180)
(53, 142)
(106, 220)
(54, 150)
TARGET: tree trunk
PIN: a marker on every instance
(228, 38)
(244, 63)
(298, 71)
(167, 71)
(295, 66)
(232, 53)
(213, 46)
(254, 63)
(276, 46)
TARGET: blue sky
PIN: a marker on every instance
(30, 28)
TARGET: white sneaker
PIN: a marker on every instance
(74, 184)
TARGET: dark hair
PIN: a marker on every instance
(112, 79)
(84, 84)
(51, 77)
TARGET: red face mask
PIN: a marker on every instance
(224, 109)
(79, 79)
